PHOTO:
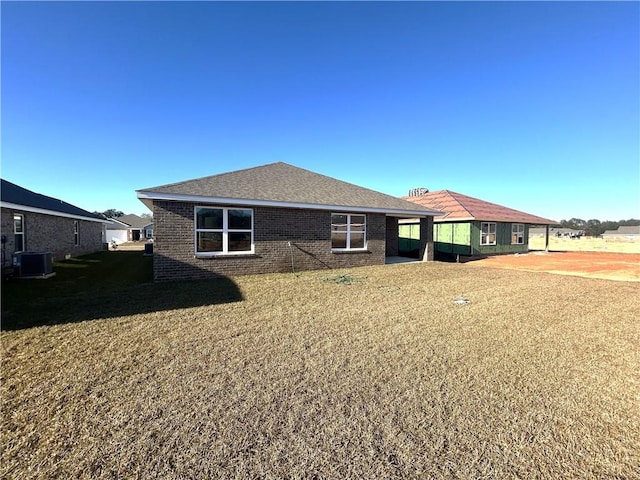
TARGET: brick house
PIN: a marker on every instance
(37, 223)
(274, 218)
(471, 226)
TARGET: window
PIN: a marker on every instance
(224, 230)
(149, 232)
(76, 239)
(18, 232)
(517, 233)
(487, 233)
(348, 232)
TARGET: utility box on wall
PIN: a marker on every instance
(33, 264)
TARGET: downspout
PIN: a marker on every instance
(4, 253)
(293, 270)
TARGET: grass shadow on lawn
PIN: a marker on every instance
(104, 285)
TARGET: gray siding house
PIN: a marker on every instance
(624, 232)
(274, 218)
(129, 228)
(116, 231)
(38, 223)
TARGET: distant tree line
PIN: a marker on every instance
(595, 227)
(113, 213)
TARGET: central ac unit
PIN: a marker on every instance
(33, 264)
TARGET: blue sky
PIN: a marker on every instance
(532, 105)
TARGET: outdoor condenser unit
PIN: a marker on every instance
(32, 264)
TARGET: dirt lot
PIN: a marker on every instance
(586, 244)
(611, 266)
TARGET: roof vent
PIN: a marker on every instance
(416, 192)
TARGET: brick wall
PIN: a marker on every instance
(309, 232)
(49, 233)
(392, 236)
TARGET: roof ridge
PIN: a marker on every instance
(461, 206)
(455, 195)
(28, 198)
(490, 203)
(36, 193)
(271, 165)
(280, 183)
(174, 184)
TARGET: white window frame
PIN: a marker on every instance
(517, 233)
(348, 232)
(15, 233)
(225, 230)
(76, 233)
(484, 235)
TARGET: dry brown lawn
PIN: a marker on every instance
(366, 373)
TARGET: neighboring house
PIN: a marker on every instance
(471, 226)
(274, 218)
(623, 233)
(128, 228)
(37, 223)
(147, 231)
(559, 232)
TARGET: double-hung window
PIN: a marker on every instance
(223, 230)
(348, 231)
(18, 232)
(487, 233)
(517, 233)
(76, 237)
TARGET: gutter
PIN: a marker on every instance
(147, 197)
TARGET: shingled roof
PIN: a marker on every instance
(134, 221)
(283, 185)
(457, 206)
(15, 196)
(624, 230)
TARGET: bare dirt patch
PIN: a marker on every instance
(610, 266)
(131, 246)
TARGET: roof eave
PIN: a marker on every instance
(44, 211)
(147, 198)
(454, 219)
(498, 220)
(530, 221)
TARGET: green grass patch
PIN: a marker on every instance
(90, 273)
(31, 302)
(103, 285)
